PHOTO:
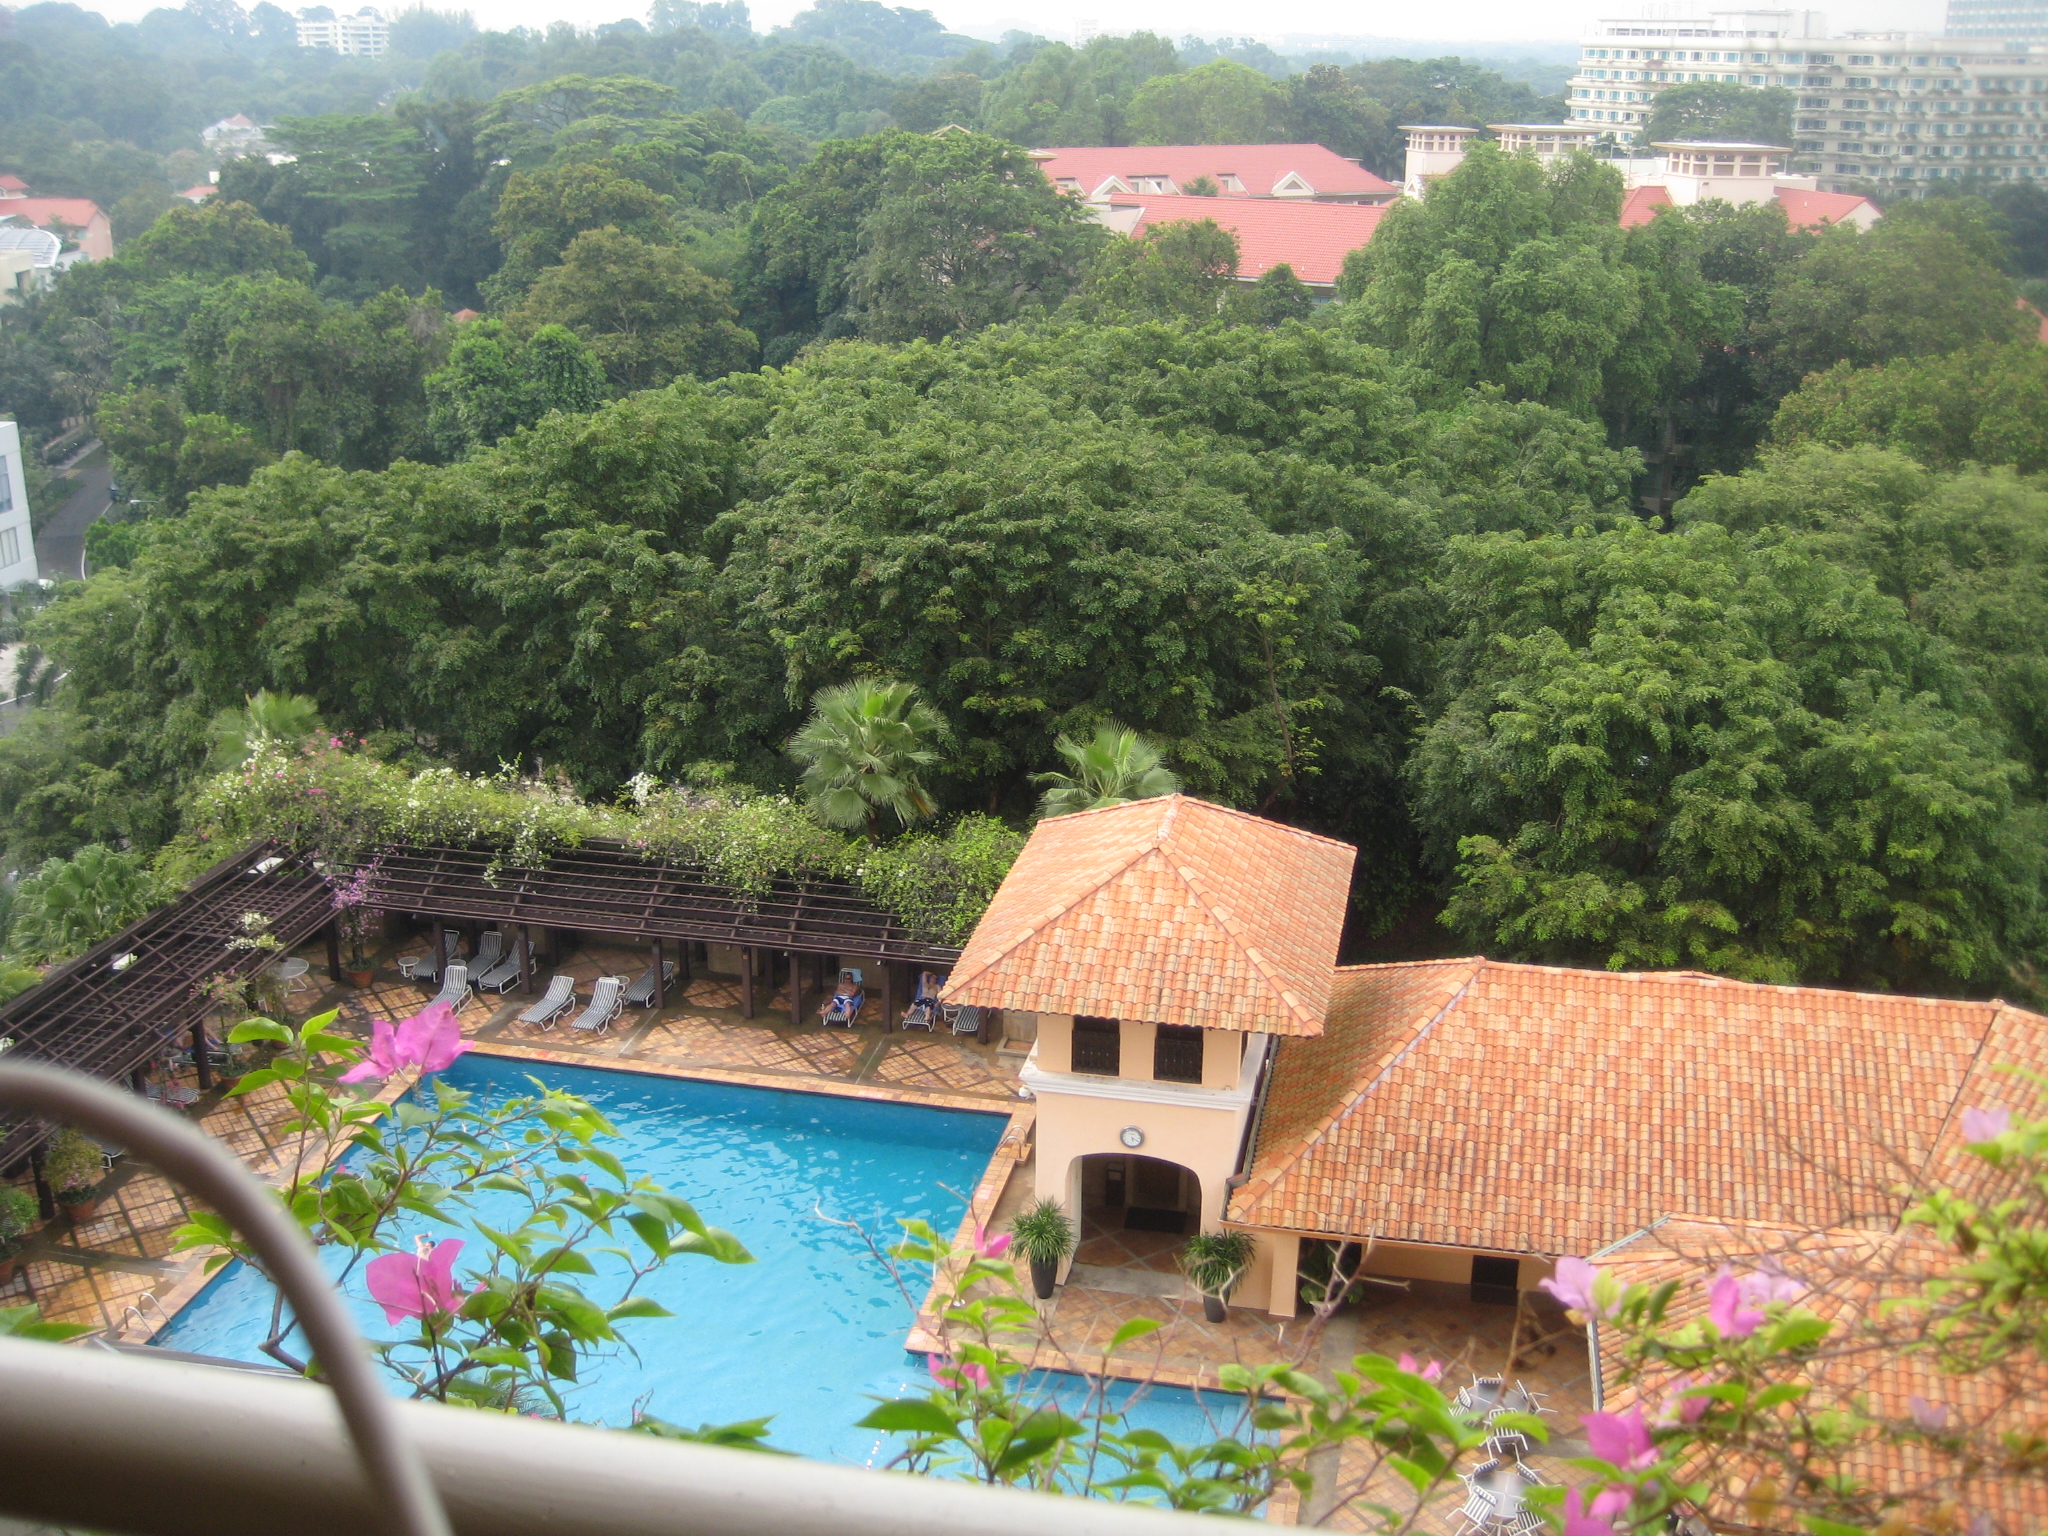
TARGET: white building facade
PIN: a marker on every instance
(364, 35)
(1887, 109)
(17, 539)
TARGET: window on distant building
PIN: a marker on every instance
(10, 547)
(1098, 1045)
(1177, 1054)
(6, 486)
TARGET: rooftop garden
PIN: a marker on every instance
(346, 804)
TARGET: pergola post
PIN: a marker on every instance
(796, 990)
(440, 948)
(746, 983)
(46, 1199)
(683, 949)
(888, 995)
(199, 1061)
(334, 950)
(660, 991)
(526, 957)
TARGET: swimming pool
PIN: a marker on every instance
(812, 1329)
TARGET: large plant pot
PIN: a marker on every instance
(8, 1267)
(1214, 1310)
(79, 1212)
(1045, 1274)
(361, 979)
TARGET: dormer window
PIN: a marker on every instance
(1098, 1046)
(1230, 183)
(1177, 1054)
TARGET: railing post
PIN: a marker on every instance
(660, 991)
(746, 983)
(796, 990)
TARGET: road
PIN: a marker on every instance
(60, 547)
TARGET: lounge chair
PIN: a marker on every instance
(501, 975)
(490, 949)
(454, 987)
(641, 993)
(964, 1018)
(425, 968)
(556, 1001)
(924, 1007)
(607, 999)
(843, 1006)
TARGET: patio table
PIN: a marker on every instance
(292, 972)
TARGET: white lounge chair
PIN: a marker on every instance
(964, 1017)
(607, 1000)
(641, 993)
(490, 949)
(426, 969)
(556, 1001)
(454, 987)
(501, 975)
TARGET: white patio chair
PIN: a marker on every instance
(607, 1000)
(425, 968)
(556, 1001)
(641, 993)
(454, 988)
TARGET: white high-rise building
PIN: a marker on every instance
(1888, 109)
(366, 34)
(17, 537)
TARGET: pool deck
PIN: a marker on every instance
(117, 1273)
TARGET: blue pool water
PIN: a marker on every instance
(810, 1331)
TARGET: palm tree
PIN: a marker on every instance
(1115, 768)
(862, 749)
(265, 717)
(69, 905)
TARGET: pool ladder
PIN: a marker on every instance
(134, 1317)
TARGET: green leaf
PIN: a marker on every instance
(911, 1416)
(713, 1243)
(638, 1306)
(259, 1029)
(1136, 1328)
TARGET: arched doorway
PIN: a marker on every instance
(1136, 1211)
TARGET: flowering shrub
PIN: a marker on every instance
(515, 1325)
(349, 805)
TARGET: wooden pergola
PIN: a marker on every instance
(128, 1000)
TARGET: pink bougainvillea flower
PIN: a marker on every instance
(1725, 1307)
(1682, 1405)
(990, 1247)
(1573, 1284)
(947, 1374)
(1610, 1502)
(1931, 1417)
(1768, 1285)
(1986, 1124)
(420, 1283)
(1597, 1521)
(1429, 1372)
(426, 1042)
(1621, 1438)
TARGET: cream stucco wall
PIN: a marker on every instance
(1071, 1127)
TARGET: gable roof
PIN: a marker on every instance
(1169, 910)
(1312, 238)
(11, 184)
(1810, 210)
(1640, 204)
(1262, 170)
(77, 212)
(1527, 1109)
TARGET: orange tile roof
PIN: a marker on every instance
(1640, 205)
(1260, 168)
(1169, 910)
(1527, 1109)
(1810, 210)
(1311, 238)
(1876, 1361)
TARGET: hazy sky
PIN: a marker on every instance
(1490, 22)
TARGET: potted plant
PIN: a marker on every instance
(17, 1216)
(1215, 1262)
(74, 1168)
(359, 920)
(1044, 1234)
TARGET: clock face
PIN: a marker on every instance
(1131, 1136)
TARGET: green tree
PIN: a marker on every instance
(1183, 270)
(218, 238)
(495, 384)
(1062, 95)
(1114, 767)
(69, 905)
(1276, 297)
(265, 719)
(863, 753)
(1720, 750)
(1724, 113)
(1985, 404)
(647, 315)
(1327, 106)
(542, 211)
(1220, 103)
(964, 233)
(1925, 280)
